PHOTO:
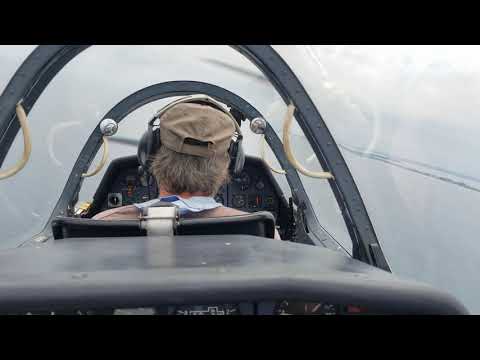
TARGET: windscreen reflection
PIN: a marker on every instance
(95, 81)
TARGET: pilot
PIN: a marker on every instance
(191, 160)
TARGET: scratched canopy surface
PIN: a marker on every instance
(406, 121)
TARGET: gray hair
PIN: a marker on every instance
(178, 173)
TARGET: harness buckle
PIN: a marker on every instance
(159, 219)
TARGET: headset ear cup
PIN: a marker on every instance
(148, 145)
(153, 145)
(240, 158)
(237, 157)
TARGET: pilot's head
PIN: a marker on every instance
(194, 152)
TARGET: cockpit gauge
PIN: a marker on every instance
(243, 180)
(239, 200)
(114, 200)
(260, 185)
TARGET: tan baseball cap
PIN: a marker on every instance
(196, 129)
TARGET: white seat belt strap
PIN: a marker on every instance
(159, 220)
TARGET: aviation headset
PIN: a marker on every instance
(150, 141)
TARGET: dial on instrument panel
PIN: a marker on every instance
(239, 200)
(243, 180)
(259, 185)
(114, 200)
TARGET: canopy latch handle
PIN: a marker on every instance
(27, 144)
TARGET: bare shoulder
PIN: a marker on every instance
(225, 211)
(228, 211)
(128, 212)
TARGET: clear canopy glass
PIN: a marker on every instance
(405, 120)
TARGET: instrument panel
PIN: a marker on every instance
(130, 188)
(250, 191)
(254, 189)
